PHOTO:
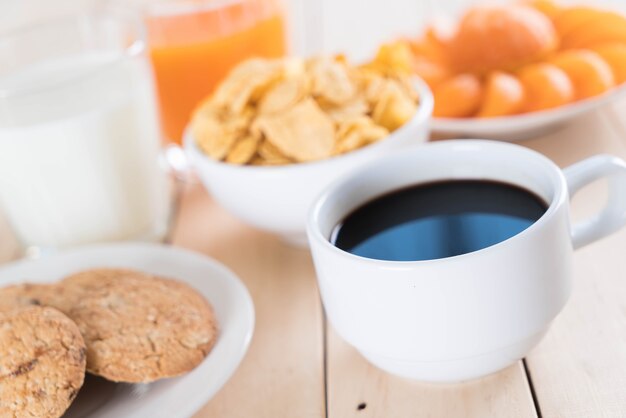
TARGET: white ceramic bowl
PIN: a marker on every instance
(277, 198)
(525, 126)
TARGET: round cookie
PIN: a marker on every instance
(42, 362)
(26, 294)
(138, 327)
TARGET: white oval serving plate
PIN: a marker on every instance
(178, 397)
(524, 126)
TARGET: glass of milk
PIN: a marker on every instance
(79, 134)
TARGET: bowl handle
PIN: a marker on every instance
(613, 216)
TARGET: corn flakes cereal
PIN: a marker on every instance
(249, 81)
(357, 132)
(394, 108)
(352, 109)
(212, 138)
(304, 132)
(271, 154)
(285, 111)
(393, 57)
(216, 136)
(284, 94)
(243, 151)
(330, 81)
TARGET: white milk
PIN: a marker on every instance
(79, 150)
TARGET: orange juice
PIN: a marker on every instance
(192, 51)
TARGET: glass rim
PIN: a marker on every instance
(137, 47)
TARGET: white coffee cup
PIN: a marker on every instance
(466, 316)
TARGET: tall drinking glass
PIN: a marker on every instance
(79, 134)
(195, 43)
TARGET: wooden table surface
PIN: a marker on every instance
(297, 367)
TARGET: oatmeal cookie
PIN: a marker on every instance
(138, 327)
(42, 362)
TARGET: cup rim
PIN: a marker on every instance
(421, 116)
(136, 48)
(315, 235)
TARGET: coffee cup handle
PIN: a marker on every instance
(613, 216)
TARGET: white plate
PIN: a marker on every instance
(520, 127)
(170, 398)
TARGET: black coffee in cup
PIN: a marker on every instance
(437, 220)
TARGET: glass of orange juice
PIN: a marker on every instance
(195, 43)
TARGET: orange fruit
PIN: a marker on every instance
(458, 97)
(590, 74)
(615, 55)
(431, 72)
(501, 37)
(546, 86)
(547, 7)
(430, 49)
(503, 95)
(396, 55)
(570, 19)
(599, 27)
(441, 30)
